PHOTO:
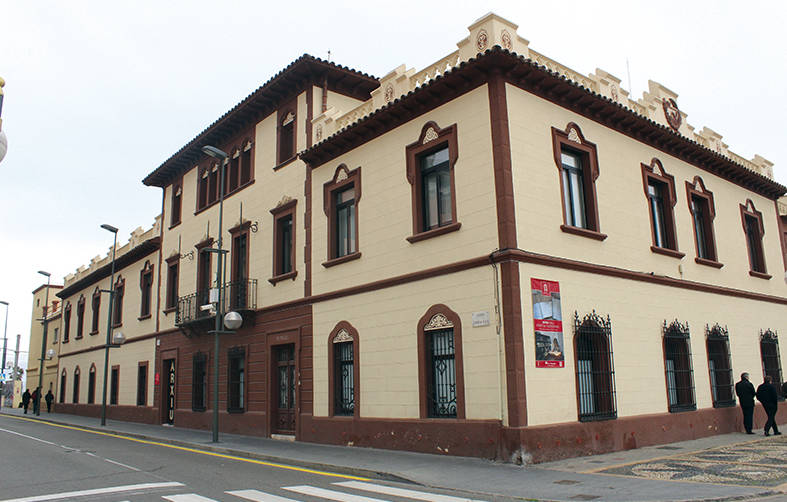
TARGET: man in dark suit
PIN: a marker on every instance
(767, 395)
(745, 391)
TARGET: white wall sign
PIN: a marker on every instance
(480, 319)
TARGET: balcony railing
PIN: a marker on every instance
(237, 295)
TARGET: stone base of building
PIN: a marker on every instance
(142, 414)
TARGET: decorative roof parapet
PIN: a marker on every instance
(782, 204)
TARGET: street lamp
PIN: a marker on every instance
(111, 292)
(37, 404)
(5, 340)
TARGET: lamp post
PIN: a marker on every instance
(5, 343)
(111, 292)
(37, 404)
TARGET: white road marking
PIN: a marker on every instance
(330, 494)
(188, 497)
(96, 491)
(122, 465)
(401, 492)
(33, 438)
(258, 496)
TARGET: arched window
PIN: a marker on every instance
(441, 373)
(595, 368)
(719, 366)
(91, 385)
(75, 395)
(678, 367)
(771, 363)
(96, 311)
(117, 302)
(63, 386)
(344, 371)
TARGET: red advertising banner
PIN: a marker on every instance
(547, 323)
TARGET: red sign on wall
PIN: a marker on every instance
(156, 379)
(547, 323)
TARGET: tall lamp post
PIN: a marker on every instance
(5, 343)
(111, 292)
(37, 404)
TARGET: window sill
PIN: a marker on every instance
(341, 259)
(709, 263)
(78, 337)
(143, 317)
(434, 232)
(93, 333)
(760, 275)
(226, 195)
(241, 410)
(117, 325)
(173, 225)
(584, 232)
(667, 252)
(724, 404)
(168, 310)
(682, 407)
(285, 162)
(283, 277)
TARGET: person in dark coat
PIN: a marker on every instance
(26, 399)
(767, 395)
(745, 391)
(36, 398)
(49, 398)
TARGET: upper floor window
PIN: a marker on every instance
(146, 288)
(343, 369)
(176, 203)
(239, 292)
(703, 211)
(96, 310)
(117, 302)
(341, 195)
(238, 172)
(660, 192)
(172, 281)
(441, 373)
(80, 316)
(56, 335)
(577, 162)
(754, 231)
(284, 240)
(771, 362)
(678, 367)
(719, 366)
(595, 368)
(66, 322)
(430, 172)
(286, 133)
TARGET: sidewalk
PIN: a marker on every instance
(706, 466)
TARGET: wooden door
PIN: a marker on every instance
(284, 379)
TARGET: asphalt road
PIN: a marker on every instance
(42, 461)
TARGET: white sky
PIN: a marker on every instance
(99, 94)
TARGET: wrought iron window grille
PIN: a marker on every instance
(596, 395)
(719, 366)
(441, 366)
(199, 385)
(678, 367)
(771, 362)
(344, 393)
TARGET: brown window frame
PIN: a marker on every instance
(96, 311)
(117, 301)
(681, 395)
(173, 263)
(654, 174)
(66, 322)
(717, 348)
(601, 393)
(204, 275)
(176, 203)
(145, 291)
(75, 386)
(573, 141)
(282, 156)
(238, 173)
(239, 291)
(345, 332)
(203, 358)
(431, 139)
(696, 190)
(91, 384)
(80, 317)
(114, 385)
(772, 362)
(142, 390)
(285, 209)
(432, 317)
(63, 381)
(343, 179)
(757, 266)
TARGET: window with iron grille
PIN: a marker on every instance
(91, 386)
(63, 386)
(771, 363)
(199, 383)
(236, 380)
(442, 373)
(142, 384)
(595, 368)
(75, 393)
(678, 367)
(343, 365)
(719, 366)
(114, 386)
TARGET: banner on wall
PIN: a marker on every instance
(547, 323)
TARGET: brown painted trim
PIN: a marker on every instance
(445, 138)
(344, 325)
(80, 331)
(117, 302)
(309, 114)
(242, 230)
(583, 232)
(708, 263)
(749, 210)
(290, 107)
(590, 171)
(650, 174)
(423, 373)
(344, 259)
(667, 252)
(329, 190)
(127, 342)
(307, 223)
(226, 195)
(280, 212)
(422, 236)
(160, 268)
(511, 294)
(781, 224)
(696, 188)
(147, 382)
(282, 277)
(759, 274)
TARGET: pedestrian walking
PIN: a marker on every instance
(768, 397)
(49, 398)
(36, 397)
(26, 400)
(745, 391)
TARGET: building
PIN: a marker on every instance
(442, 260)
(52, 314)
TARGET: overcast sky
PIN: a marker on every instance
(99, 94)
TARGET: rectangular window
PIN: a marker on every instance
(283, 241)
(172, 285)
(202, 188)
(232, 174)
(213, 184)
(343, 379)
(595, 368)
(55, 335)
(678, 367)
(719, 367)
(91, 387)
(699, 212)
(345, 222)
(284, 237)
(63, 387)
(703, 212)
(240, 270)
(436, 187)
(66, 323)
(146, 287)
(114, 377)
(75, 393)
(142, 384)
(442, 374)
(245, 166)
(754, 231)
(237, 380)
(176, 204)
(771, 362)
(656, 200)
(286, 134)
(204, 259)
(661, 198)
(199, 383)
(573, 189)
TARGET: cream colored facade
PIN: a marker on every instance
(500, 108)
(52, 314)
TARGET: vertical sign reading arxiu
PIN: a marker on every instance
(548, 323)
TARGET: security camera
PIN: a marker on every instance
(208, 308)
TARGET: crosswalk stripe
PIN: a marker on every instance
(401, 492)
(330, 494)
(258, 496)
(95, 491)
(188, 497)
